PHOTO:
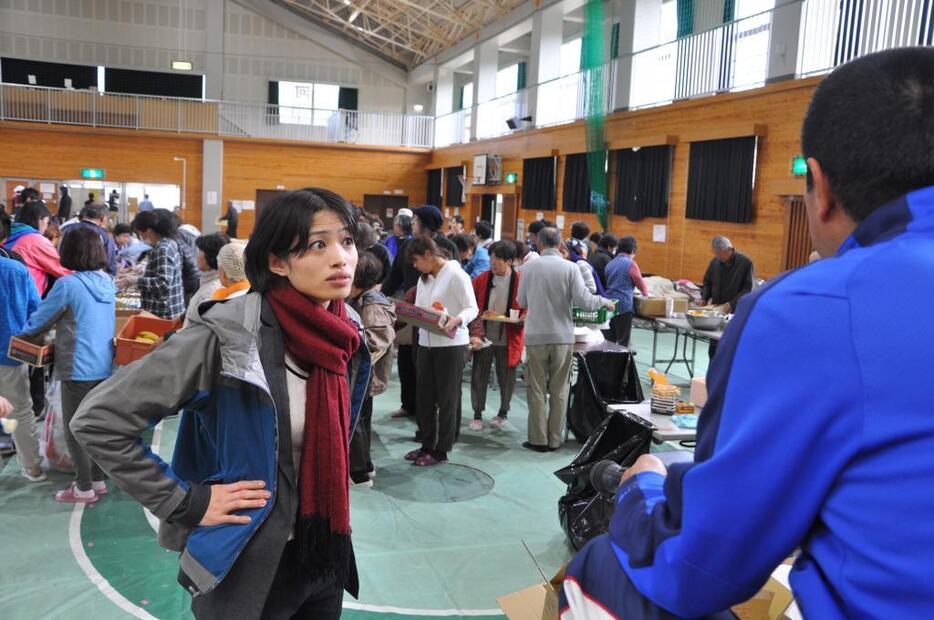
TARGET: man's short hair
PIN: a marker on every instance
(608, 241)
(721, 243)
(458, 218)
(484, 230)
(870, 125)
(549, 238)
(627, 245)
(210, 246)
(536, 227)
(122, 229)
(92, 211)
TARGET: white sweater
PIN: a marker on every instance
(453, 289)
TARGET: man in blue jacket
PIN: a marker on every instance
(818, 433)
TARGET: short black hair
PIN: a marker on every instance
(32, 213)
(82, 250)
(608, 241)
(282, 230)
(148, 220)
(626, 245)
(504, 250)
(536, 227)
(870, 125)
(458, 218)
(210, 245)
(366, 236)
(463, 241)
(93, 211)
(5, 225)
(521, 248)
(595, 237)
(580, 230)
(122, 229)
(484, 230)
(419, 246)
(369, 271)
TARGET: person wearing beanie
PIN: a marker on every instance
(231, 271)
(426, 222)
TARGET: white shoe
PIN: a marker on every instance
(498, 422)
(40, 478)
(476, 425)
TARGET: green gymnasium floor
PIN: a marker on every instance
(443, 541)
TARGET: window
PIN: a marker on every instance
(468, 96)
(571, 57)
(507, 80)
(303, 103)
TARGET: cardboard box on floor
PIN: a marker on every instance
(655, 306)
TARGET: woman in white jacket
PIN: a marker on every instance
(443, 286)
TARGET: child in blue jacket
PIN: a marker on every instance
(81, 308)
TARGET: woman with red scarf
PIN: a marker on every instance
(270, 384)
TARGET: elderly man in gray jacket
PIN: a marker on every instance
(549, 287)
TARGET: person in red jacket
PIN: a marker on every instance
(491, 341)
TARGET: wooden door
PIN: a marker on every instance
(510, 215)
(797, 247)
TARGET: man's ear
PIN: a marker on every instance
(278, 266)
(826, 200)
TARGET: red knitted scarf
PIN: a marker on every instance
(322, 341)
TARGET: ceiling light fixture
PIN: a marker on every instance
(181, 65)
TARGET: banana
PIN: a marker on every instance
(148, 335)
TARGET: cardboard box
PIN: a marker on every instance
(31, 350)
(422, 318)
(655, 306)
(699, 391)
(538, 602)
(128, 349)
(769, 603)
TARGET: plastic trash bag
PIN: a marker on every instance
(603, 378)
(52, 446)
(584, 512)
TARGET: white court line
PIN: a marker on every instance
(384, 609)
(77, 549)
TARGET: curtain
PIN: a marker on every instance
(433, 193)
(643, 182)
(454, 189)
(576, 197)
(538, 184)
(51, 74)
(720, 180)
(347, 99)
(153, 83)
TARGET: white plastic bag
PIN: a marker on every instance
(52, 446)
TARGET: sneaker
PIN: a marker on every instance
(414, 455)
(39, 478)
(399, 413)
(476, 425)
(72, 495)
(361, 481)
(99, 487)
(427, 460)
(371, 473)
(498, 422)
(535, 447)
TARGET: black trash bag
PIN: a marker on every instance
(583, 511)
(603, 378)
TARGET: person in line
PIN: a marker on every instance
(368, 241)
(578, 243)
(549, 287)
(532, 241)
(700, 537)
(474, 259)
(231, 271)
(94, 217)
(54, 234)
(184, 238)
(26, 239)
(271, 384)
(81, 308)
(440, 359)
(593, 243)
(378, 315)
(623, 277)
(6, 225)
(569, 251)
(603, 254)
(496, 291)
(208, 247)
(455, 226)
(18, 300)
(483, 231)
(146, 204)
(64, 205)
(160, 286)
(401, 232)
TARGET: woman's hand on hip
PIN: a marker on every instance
(229, 498)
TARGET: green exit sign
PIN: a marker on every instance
(92, 173)
(511, 177)
(799, 166)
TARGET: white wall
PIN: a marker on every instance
(144, 34)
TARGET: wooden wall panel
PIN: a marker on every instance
(249, 166)
(779, 109)
(50, 152)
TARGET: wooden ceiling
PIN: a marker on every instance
(405, 31)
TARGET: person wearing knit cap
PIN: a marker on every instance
(430, 217)
(232, 272)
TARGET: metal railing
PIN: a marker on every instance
(222, 118)
(453, 128)
(493, 114)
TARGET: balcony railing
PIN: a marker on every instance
(221, 118)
